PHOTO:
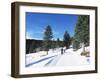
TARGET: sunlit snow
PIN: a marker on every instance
(55, 58)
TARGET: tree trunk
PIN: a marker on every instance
(47, 52)
(83, 47)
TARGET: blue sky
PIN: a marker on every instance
(37, 22)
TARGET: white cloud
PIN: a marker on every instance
(29, 35)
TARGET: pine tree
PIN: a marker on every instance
(82, 31)
(76, 44)
(48, 35)
(66, 40)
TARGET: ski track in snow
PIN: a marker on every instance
(54, 58)
(41, 60)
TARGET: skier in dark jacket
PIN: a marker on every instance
(61, 50)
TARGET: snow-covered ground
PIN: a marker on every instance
(55, 58)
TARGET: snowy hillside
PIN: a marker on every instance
(55, 58)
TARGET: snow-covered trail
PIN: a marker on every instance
(71, 60)
(54, 58)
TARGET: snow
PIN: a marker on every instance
(55, 58)
(72, 59)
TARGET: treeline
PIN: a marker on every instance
(37, 45)
(32, 45)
